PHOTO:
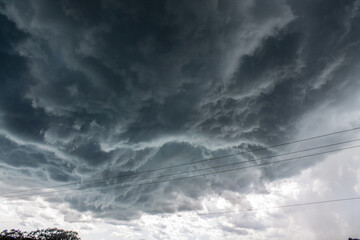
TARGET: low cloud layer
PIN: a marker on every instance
(92, 89)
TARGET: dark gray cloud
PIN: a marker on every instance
(102, 88)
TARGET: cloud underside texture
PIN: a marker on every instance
(92, 89)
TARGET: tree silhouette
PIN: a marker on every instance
(40, 234)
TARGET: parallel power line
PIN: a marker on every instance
(261, 209)
(186, 164)
(53, 194)
(281, 206)
(192, 171)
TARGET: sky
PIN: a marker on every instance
(122, 91)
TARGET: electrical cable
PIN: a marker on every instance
(191, 163)
(282, 206)
(200, 175)
(197, 170)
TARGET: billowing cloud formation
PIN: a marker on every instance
(95, 89)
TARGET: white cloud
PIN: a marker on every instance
(324, 181)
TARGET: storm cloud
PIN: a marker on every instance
(93, 89)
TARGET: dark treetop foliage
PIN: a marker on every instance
(43, 234)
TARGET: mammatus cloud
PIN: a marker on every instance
(102, 88)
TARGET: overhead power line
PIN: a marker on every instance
(53, 194)
(186, 164)
(192, 171)
(282, 206)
